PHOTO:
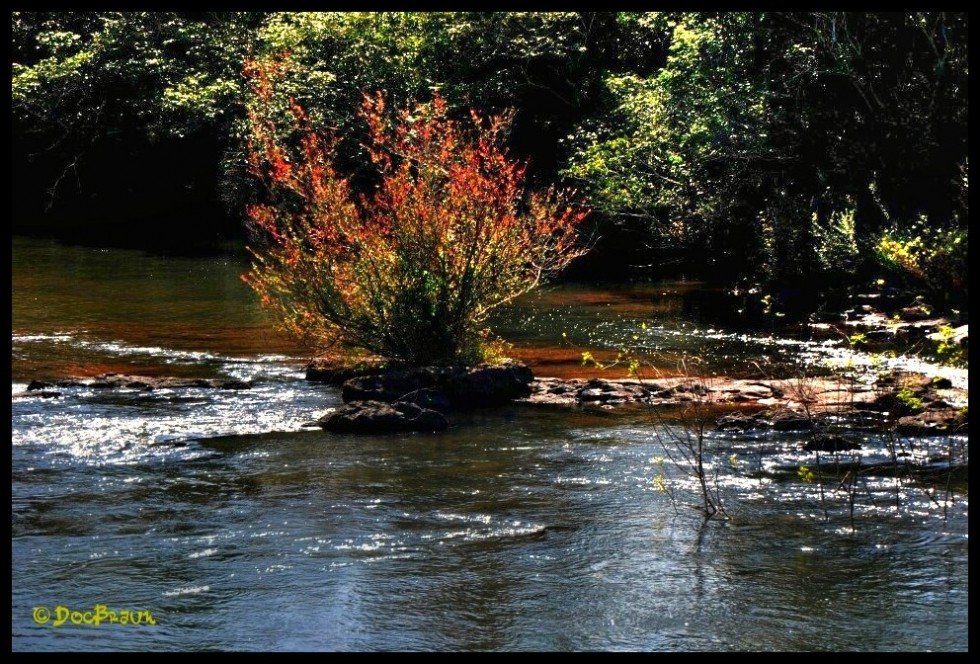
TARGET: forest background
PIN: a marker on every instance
(797, 156)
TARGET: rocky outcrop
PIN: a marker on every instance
(388, 386)
(910, 404)
(714, 391)
(488, 386)
(775, 420)
(439, 388)
(558, 392)
(377, 417)
(337, 372)
(110, 381)
(936, 422)
(430, 398)
(387, 398)
(940, 421)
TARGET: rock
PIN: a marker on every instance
(387, 386)
(558, 386)
(431, 398)
(38, 385)
(603, 391)
(324, 370)
(737, 422)
(884, 335)
(139, 385)
(112, 381)
(774, 390)
(443, 388)
(390, 399)
(318, 424)
(44, 394)
(789, 420)
(934, 423)
(830, 443)
(485, 385)
(914, 313)
(555, 391)
(376, 417)
(694, 387)
(235, 385)
(72, 382)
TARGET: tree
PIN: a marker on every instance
(99, 98)
(104, 104)
(411, 269)
(794, 147)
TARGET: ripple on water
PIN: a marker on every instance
(537, 532)
(130, 426)
(190, 590)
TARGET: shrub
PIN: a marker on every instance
(934, 256)
(949, 349)
(412, 269)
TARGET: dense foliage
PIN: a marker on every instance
(411, 270)
(803, 152)
(796, 143)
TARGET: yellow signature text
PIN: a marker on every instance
(98, 615)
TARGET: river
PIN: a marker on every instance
(231, 527)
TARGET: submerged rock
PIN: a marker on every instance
(36, 392)
(235, 385)
(114, 381)
(830, 443)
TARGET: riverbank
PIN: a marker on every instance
(909, 403)
(914, 404)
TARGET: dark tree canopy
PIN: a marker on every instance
(802, 151)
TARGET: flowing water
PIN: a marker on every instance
(217, 515)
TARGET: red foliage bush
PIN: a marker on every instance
(412, 269)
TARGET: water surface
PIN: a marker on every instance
(522, 529)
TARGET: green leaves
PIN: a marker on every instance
(780, 143)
